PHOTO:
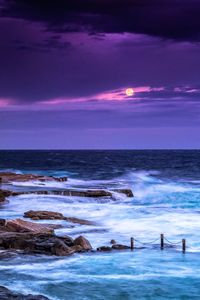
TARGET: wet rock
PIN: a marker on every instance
(120, 247)
(113, 242)
(32, 243)
(50, 215)
(94, 230)
(4, 194)
(79, 221)
(104, 248)
(127, 192)
(8, 254)
(83, 242)
(68, 192)
(83, 193)
(31, 239)
(43, 215)
(2, 222)
(78, 193)
(59, 248)
(6, 294)
(7, 177)
(77, 248)
(19, 225)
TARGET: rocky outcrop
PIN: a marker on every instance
(68, 192)
(6, 294)
(71, 192)
(33, 238)
(31, 243)
(7, 177)
(50, 215)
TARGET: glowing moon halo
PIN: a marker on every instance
(129, 92)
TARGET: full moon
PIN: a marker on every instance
(129, 92)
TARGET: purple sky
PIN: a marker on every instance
(65, 66)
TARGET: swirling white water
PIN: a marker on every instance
(166, 205)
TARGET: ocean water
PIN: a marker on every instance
(166, 186)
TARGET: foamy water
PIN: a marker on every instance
(161, 204)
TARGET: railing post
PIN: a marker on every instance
(183, 245)
(162, 241)
(132, 243)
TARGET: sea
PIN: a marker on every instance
(166, 187)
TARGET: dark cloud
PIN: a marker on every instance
(48, 45)
(173, 19)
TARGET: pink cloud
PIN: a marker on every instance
(113, 95)
(4, 102)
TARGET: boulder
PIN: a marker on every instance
(113, 242)
(83, 242)
(6, 294)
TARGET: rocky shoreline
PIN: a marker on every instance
(35, 238)
(20, 237)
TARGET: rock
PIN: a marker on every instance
(77, 248)
(83, 193)
(7, 177)
(43, 215)
(2, 222)
(79, 221)
(32, 243)
(113, 242)
(120, 247)
(6, 294)
(50, 215)
(4, 194)
(59, 248)
(127, 192)
(33, 238)
(68, 192)
(83, 242)
(19, 225)
(93, 230)
(8, 254)
(104, 248)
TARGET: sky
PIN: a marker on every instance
(65, 66)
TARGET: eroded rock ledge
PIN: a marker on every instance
(7, 177)
(68, 192)
(50, 215)
(6, 294)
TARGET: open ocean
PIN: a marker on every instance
(166, 187)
